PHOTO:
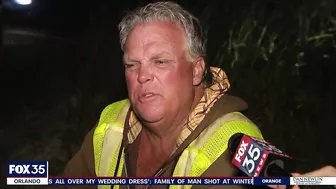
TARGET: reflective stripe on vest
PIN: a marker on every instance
(194, 160)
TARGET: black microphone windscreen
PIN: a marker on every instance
(234, 142)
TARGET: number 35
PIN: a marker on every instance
(38, 169)
(253, 154)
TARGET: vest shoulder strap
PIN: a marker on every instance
(112, 111)
(111, 115)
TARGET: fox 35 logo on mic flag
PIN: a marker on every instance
(249, 157)
(27, 173)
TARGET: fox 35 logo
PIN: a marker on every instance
(28, 169)
(248, 156)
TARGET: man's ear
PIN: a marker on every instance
(198, 70)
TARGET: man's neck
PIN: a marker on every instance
(164, 143)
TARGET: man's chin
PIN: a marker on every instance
(150, 117)
(149, 113)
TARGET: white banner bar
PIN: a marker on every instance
(313, 181)
(27, 181)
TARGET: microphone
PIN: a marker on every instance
(259, 158)
(256, 157)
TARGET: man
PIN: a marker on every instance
(178, 119)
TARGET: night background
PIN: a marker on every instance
(61, 64)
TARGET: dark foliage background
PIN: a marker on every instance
(279, 55)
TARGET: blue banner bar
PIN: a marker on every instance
(169, 181)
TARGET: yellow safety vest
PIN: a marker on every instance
(194, 160)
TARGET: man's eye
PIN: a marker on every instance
(160, 61)
(130, 66)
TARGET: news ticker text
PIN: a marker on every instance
(258, 181)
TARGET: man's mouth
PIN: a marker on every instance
(148, 95)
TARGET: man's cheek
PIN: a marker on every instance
(130, 82)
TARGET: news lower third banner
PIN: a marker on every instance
(36, 173)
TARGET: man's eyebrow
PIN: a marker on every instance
(127, 58)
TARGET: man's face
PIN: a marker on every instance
(158, 75)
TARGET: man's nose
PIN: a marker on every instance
(145, 74)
